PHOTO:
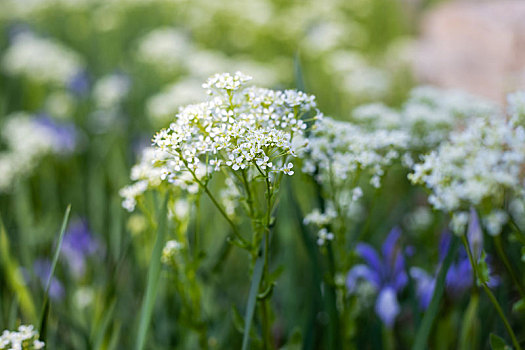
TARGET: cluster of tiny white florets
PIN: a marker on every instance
(238, 127)
(429, 115)
(25, 338)
(41, 60)
(148, 174)
(341, 151)
(477, 167)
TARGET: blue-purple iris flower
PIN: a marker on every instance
(42, 269)
(460, 277)
(77, 246)
(65, 135)
(385, 272)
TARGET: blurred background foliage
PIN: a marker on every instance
(131, 65)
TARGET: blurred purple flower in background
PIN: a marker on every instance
(42, 269)
(386, 274)
(77, 246)
(79, 85)
(460, 277)
(64, 135)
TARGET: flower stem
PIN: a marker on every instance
(491, 296)
(508, 266)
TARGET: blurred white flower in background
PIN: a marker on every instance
(41, 60)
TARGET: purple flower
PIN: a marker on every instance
(78, 244)
(385, 272)
(42, 269)
(65, 135)
(460, 276)
(79, 84)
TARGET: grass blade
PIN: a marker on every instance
(153, 277)
(14, 277)
(45, 306)
(252, 298)
(430, 315)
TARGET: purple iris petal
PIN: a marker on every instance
(425, 285)
(42, 269)
(77, 245)
(369, 254)
(389, 249)
(387, 307)
(359, 272)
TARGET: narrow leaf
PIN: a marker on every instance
(153, 278)
(430, 315)
(252, 298)
(14, 278)
(45, 306)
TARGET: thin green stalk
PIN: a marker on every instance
(491, 295)
(508, 266)
(221, 210)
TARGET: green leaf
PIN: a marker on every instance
(153, 278)
(519, 306)
(252, 298)
(45, 306)
(430, 315)
(14, 278)
(497, 343)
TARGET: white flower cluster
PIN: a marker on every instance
(340, 151)
(148, 174)
(357, 77)
(516, 107)
(165, 47)
(161, 107)
(28, 140)
(428, 115)
(238, 127)
(41, 60)
(477, 167)
(25, 338)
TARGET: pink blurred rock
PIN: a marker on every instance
(475, 46)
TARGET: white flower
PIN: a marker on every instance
(323, 235)
(25, 338)
(41, 60)
(110, 90)
(226, 81)
(164, 48)
(476, 167)
(243, 128)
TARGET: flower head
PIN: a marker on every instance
(385, 272)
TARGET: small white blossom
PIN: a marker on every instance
(25, 338)
(323, 235)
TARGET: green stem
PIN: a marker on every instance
(491, 296)
(508, 266)
(221, 210)
(267, 339)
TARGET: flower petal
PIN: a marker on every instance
(387, 307)
(362, 272)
